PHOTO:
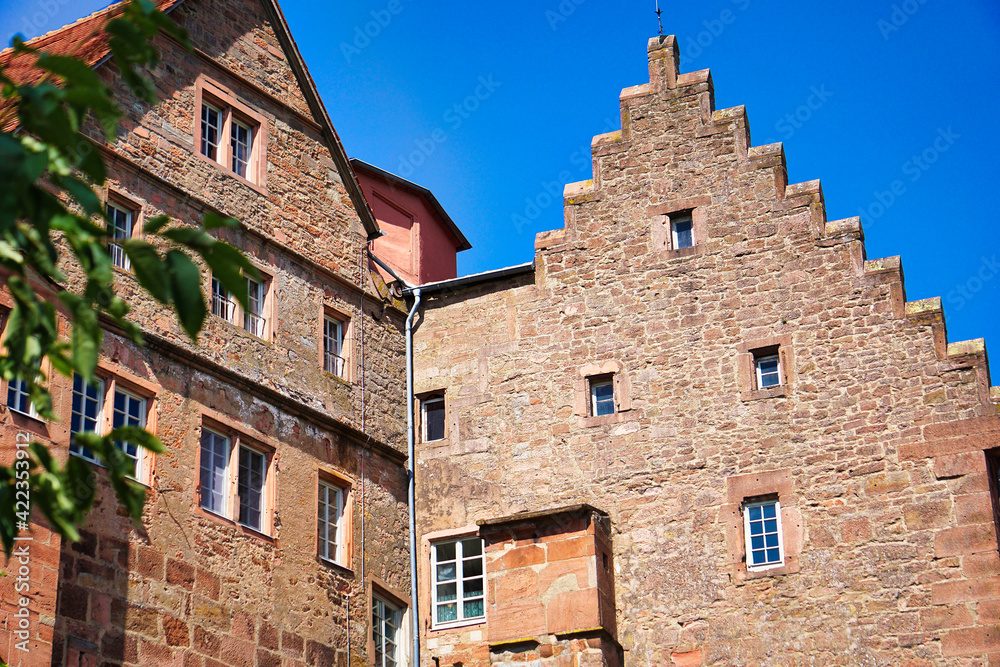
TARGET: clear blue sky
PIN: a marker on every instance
(903, 97)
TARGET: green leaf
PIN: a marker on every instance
(139, 436)
(185, 286)
(193, 237)
(214, 221)
(231, 268)
(149, 270)
(155, 224)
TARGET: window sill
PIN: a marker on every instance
(235, 525)
(763, 394)
(232, 174)
(446, 627)
(679, 253)
(32, 423)
(336, 378)
(336, 567)
(604, 420)
(238, 328)
(791, 566)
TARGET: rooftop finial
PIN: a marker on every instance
(659, 20)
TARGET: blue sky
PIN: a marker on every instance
(889, 103)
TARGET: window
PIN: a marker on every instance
(432, 413)
(458, 580)
(762, 529)
(120, 222)
(993, 465)
(602, 395)
(245, 499)
(229, 133)
(19, 398)
(767, 366)
(388, 633)
(682, 230)
(102, 407)
(329, 523)
(334, 360)
(254, 318)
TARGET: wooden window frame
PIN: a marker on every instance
(231, 110)
(459, 580)
(332, 315)
(426, 399)
(345, 525)
(236, 315)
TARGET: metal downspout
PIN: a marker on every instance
(411, 473)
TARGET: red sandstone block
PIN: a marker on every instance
(577, 547)
(192, 659)
(267, 659)
(965, 540)
(573, 610)
(955, 465)
(973, 508)
(180, 573)
(268, 636)
(155, 655)
(987, 611)
(176, 632)
(207, 584)
(237, 651)
(292, 644)
(243, 625)
(971, 641)
(986, 564)
(687, 659)
(149, 562)
(966, 590)
(531, 554)
(938, 618)
(207, 642)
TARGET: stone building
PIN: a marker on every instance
(276, 519)
(701, 427)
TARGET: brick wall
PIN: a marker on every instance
(894, 560)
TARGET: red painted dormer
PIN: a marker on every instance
(420, 241)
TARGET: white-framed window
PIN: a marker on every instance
(762, 529)
(103, 406)
(243, 497)
(211, 130)
(254, 318)
(682, 231)
(241, 140)
(602, 395)
(432, 417)
(334, 359)
(388, 633)
(120, 224)
(767, 367)
(330, 523)
(458, 569)
(19, 398)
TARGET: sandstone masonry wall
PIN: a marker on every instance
(895, 555)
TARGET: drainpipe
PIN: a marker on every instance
(411, 473)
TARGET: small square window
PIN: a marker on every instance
(330, 523)
(245, 499)
(602, 395)
(762, 530)
(254, 318)
(120, 225)
(682, 231)
(432, 412)
(334, 353)
(388, 633)
(458, 578)
(767, 366)
(211, 130)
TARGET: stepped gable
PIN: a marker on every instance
(693, 93)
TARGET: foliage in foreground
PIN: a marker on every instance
(51, 217)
